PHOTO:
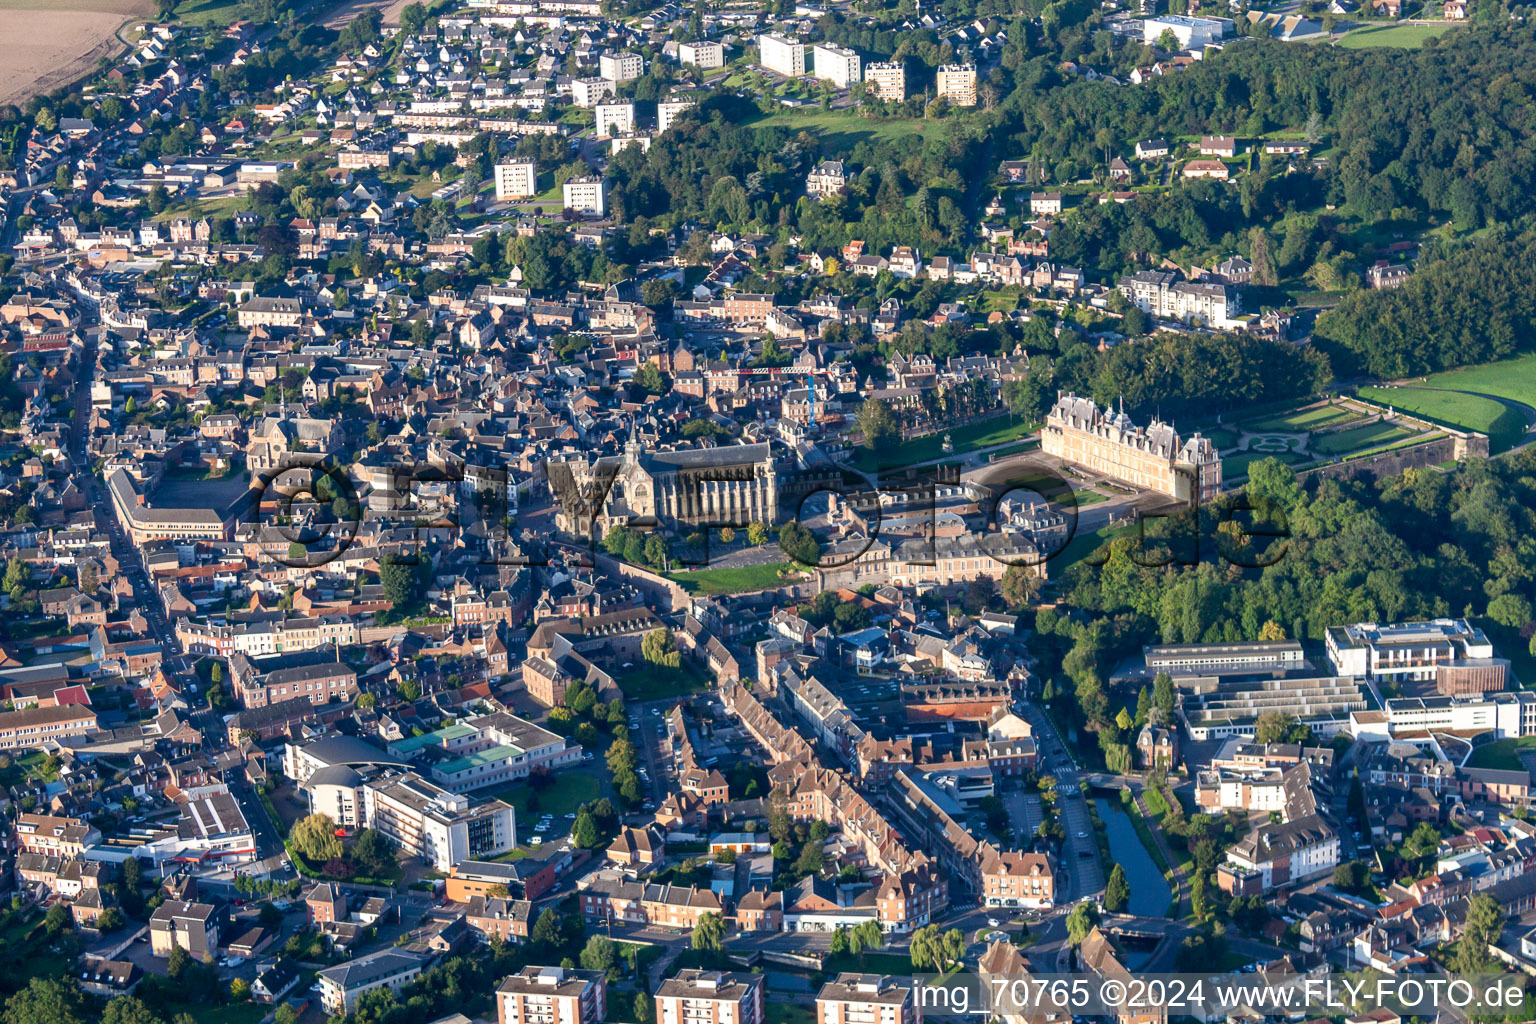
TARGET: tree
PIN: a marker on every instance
(546, 931)
(709, 934)
(727, 535)
(839, 943)
(800, 544)
(398, 579)
(1510, 610)
(239, 990)
(45, 1001)
(1484, 923)
(58, 918)
(649, 379)
(216, 673)
(373, 851)
(1273, 727)
(811, 860)
(1271, 631)
(757, 534)
(599, 954)
(584, 833)
(878, 425)
(866, 935)
(315, 837)
(1080, 922)
(1163, 696)
(111, 920)
(129, 1010)
(1020, 585)
(1117, 891)
(659, 647)
(1351, 876)
(644, 1012)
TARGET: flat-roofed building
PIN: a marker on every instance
(552, 995)
(701, 54)
(867, 999)
(441, 827)
(710, 997)
(344, 984)
(781, 55)
(957, 84)
(836, 64)
(517, 179)
(887, 80)
(620, 67)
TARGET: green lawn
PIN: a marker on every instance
(1406, 37)
(1301, 421)
(230, 1013)
(743, 579)
(788, 1013)
(984, 434)
(841, 130)
(1508, 378)
(1370, 435)
(1503, 425)
(1501, 754)
(567, 791)
(208, 12)
(1234, 466)
(650, 682)
(1081, 545)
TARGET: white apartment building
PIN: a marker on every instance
(837, 65)
(710, 997)
(615, 119)
(957, 83)
(867, 999)
(1163, 295)
(589, 92)
(517, 179)
(669, 111)
(442, 827)
(587, 195)
(491, 750)
(887, 80)
(342, 985)
(552, 995)
(702, 54)
(781, 55)
(620, 67)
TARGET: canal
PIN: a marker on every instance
(1150, 893)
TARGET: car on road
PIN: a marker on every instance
(536, 841)
(1082, 835)
(993, 922)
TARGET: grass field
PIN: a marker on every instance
(1371, 435)
(1503, 425)
(1508, 378)
(1501, 754)
(732, 581)
(1403, 37)
(1301, 421)
(985, 434)
(649, 682)
(207, 12)
(568, 791)
(840, 130)
(1234, 466)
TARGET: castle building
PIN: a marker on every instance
(1152, 458)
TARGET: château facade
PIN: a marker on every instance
(1152, 458)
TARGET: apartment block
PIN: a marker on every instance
(867, 999)
(587, 195)
(620, 67)
(702, 54)
(552, 995)
(781, 55)
(615, 119)
(517, 179)
(957, 83)
(432, 823)
(710, 997)
(589, 92)
(837, 65)
(669, 111)
(887, 80)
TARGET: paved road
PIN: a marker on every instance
(1081, 850)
